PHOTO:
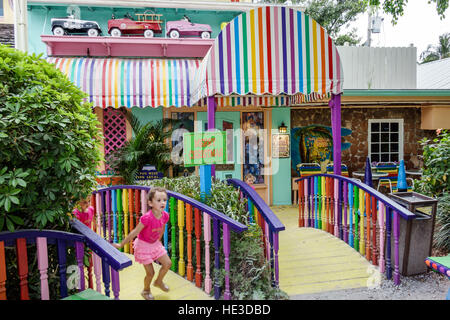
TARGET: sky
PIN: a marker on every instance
(420, 25)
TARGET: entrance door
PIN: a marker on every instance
(229, 122)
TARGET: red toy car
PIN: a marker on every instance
(147, 24)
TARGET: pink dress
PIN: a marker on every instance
(84, 217)
(147, 246)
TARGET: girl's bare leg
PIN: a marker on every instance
(149, 273)
(166, 263)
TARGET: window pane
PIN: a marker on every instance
(375, 137)
(375, 147)
(394, 137)
(385, 127)
(375, 127)
(394, 147)
(394, 157)
(385, 137)
(394, 126)
(384, 157)
(375, 157)
(384, 147)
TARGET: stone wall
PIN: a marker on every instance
(356, 119)
(7, 34)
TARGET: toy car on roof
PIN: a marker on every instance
(70, 25)
(147, 24)
(184, 27)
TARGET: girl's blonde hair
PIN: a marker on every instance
(152, 192)
(249, 176)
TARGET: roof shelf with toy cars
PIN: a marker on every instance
(126, 46)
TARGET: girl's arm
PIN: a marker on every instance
(130, 236)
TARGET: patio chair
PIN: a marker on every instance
(344, 169)
(390, 181)
(308, 169)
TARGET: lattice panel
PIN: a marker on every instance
(114, 129)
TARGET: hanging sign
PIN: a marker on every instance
(203, 148)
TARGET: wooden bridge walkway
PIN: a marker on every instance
(310, 261)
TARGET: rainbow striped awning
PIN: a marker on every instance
(271, 51)
(131, 82)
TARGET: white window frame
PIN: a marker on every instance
(400, 136)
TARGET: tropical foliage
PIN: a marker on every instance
(437, 52)
(49, 143)
(435, 182)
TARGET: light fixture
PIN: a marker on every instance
(282, 128)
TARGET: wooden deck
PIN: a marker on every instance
(314, 261)
(310, 261)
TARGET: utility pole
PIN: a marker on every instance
(20, 25)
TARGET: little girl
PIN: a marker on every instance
(250, 179)
(148, 247)
(87, 212)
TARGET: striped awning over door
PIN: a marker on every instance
(271, 51)
(130, 83)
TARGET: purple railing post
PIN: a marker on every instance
(103, 204)
(396, 248)
(388, 243)
(115, 283)
(345, 194)
(381, 224)
(335, 105)
(275, 250)
(79, 247)
(336, 205)
(106, 276)
(108, 209)
(216, 240)
(340, 233)
(311, 205)
(226, 252)
(97, 271)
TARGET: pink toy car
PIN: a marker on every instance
(184, 27)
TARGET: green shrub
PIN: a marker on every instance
(442, 232)
(436, 170)
(249, 270)
(435, 182)
(49, 149)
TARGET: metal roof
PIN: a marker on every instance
(434, 75)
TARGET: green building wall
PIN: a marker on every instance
(281, 180)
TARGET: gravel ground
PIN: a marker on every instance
(427, 286)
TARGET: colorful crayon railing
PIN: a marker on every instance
(119, 208)
(354, 212)
(105, 260)
(259, 212)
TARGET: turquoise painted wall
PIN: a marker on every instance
(146, 115)
(39, 17)
(281, 180)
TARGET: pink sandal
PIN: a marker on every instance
(162, 286)
(147, 295)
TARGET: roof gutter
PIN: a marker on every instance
(175, 4)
